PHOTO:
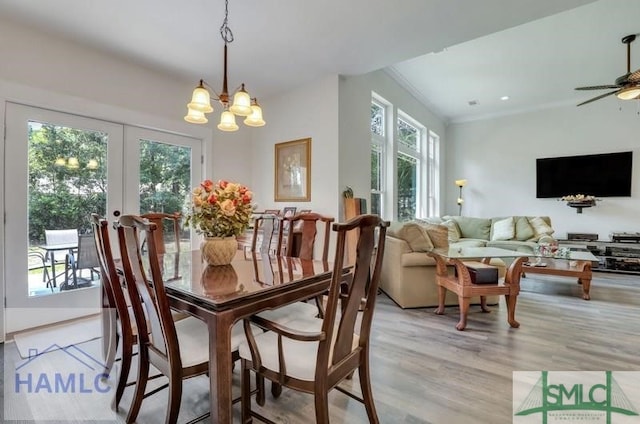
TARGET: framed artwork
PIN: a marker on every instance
(293, 171)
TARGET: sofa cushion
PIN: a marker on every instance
(429, 220)
(414, 234)
(524, 230)
(439, 235)
(465, 242)
(540, 226)
(453, 230)
(471, 227)
(417, 259)
(503, 229)
(518, 246)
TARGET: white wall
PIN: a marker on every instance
(307, 111)
(355, 125)
(498, 159)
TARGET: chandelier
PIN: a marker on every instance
(243, 104)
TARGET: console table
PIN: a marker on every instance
(618, 257)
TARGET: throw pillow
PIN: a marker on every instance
(503, 229)
(453, 230)
(540, 226)
(416, 236)
(438, 235)
(524, 231)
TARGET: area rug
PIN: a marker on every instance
(35, 342)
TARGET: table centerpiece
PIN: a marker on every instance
(220, 211)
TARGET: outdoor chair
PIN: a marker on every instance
(316, 355)
(84, 257)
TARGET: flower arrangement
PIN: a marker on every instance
(221, 209)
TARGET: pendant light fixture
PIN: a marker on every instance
(243, 104)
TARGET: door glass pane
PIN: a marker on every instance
(407, 180)
(67, 183)
(165, 184)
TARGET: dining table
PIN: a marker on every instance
(223, 295)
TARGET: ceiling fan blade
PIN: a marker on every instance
(634, 77)
(598, 97)
(598, 87)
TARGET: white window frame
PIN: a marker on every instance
(420, 156)
(433, 174)
(381, 142)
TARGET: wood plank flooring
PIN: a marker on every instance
(426, 372)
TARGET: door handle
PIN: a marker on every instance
(116, 213)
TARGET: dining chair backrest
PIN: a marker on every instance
(159, 219)
(362, 288)
(265, 233)
(149, 301)
(115, 308)
(306, 224)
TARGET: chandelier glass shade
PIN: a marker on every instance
(242, 105)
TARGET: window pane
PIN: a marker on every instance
(376, 171)
(375, 203)
(377, 119)
(165, 181)
(407, 134)
(67, 183)
(407, 183)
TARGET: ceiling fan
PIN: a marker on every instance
(625, 87)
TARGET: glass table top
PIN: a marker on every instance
(495, 252)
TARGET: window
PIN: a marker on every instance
(404, 164)
(409, 167)
(378, 141)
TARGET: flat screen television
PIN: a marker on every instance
(601, 175)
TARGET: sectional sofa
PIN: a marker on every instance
(408, 273)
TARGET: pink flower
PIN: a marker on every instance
(207, 185)
(223, 184)
(212, 199)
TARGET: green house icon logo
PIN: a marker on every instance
(604, 397)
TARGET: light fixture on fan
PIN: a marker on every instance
(629, 93)
(243, 104)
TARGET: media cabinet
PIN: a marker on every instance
(620, 257)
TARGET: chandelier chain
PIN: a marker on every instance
(225, 31)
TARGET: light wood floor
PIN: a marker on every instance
(424, 371)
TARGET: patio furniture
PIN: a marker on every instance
(84, 257)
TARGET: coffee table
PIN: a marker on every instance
(577, 265)
(461, 282)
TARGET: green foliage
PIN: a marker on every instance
(63, 197)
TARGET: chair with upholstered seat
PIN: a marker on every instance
(119, 326)
(319, 353)
(178, 349)
(159, 219)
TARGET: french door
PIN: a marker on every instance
(59, 169)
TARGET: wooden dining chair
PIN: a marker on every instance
(159, 219)
(272, 242)
(306, 225)
(178, 349)
(315, 356)
(118, 322)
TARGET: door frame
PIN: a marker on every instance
(44, 98)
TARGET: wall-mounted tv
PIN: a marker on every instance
(601, 175)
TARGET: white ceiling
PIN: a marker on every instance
(528, 49)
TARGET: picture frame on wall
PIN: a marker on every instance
(293, 171)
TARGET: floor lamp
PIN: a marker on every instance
(460, 184)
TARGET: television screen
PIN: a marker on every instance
(601, 175)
